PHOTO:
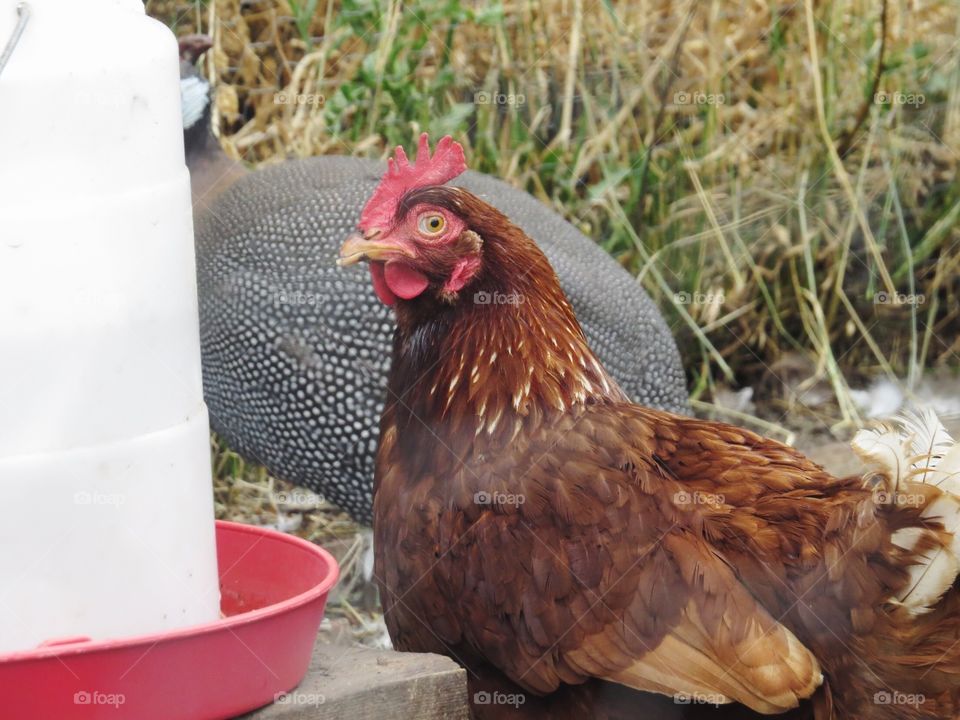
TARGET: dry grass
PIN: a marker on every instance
(691, 138)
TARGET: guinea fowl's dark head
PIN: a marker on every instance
(211, 170)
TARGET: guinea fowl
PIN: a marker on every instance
(292, 377)
(527, 515)
(211, 171)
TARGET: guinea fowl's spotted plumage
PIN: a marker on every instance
(296, 352)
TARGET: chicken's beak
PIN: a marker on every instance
(369, 247)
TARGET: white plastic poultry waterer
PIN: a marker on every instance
(108, 525)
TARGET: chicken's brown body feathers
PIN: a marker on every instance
(528, 515)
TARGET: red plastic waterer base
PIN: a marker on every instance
(273, 591)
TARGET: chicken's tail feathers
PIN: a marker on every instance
(912, 454)
(912, 447)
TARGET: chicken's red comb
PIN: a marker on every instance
(402, 176)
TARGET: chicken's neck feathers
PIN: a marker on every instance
(507, 354)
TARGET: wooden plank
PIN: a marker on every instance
(366, 684)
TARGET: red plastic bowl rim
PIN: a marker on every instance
(228, 623)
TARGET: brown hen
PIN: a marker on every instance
(528, 516)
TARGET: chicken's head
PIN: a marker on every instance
(413, 231)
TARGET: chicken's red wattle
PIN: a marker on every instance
(380, 286)
(396, 279)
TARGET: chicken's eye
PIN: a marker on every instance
(431, 223)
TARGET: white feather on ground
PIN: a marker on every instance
(882, 399)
